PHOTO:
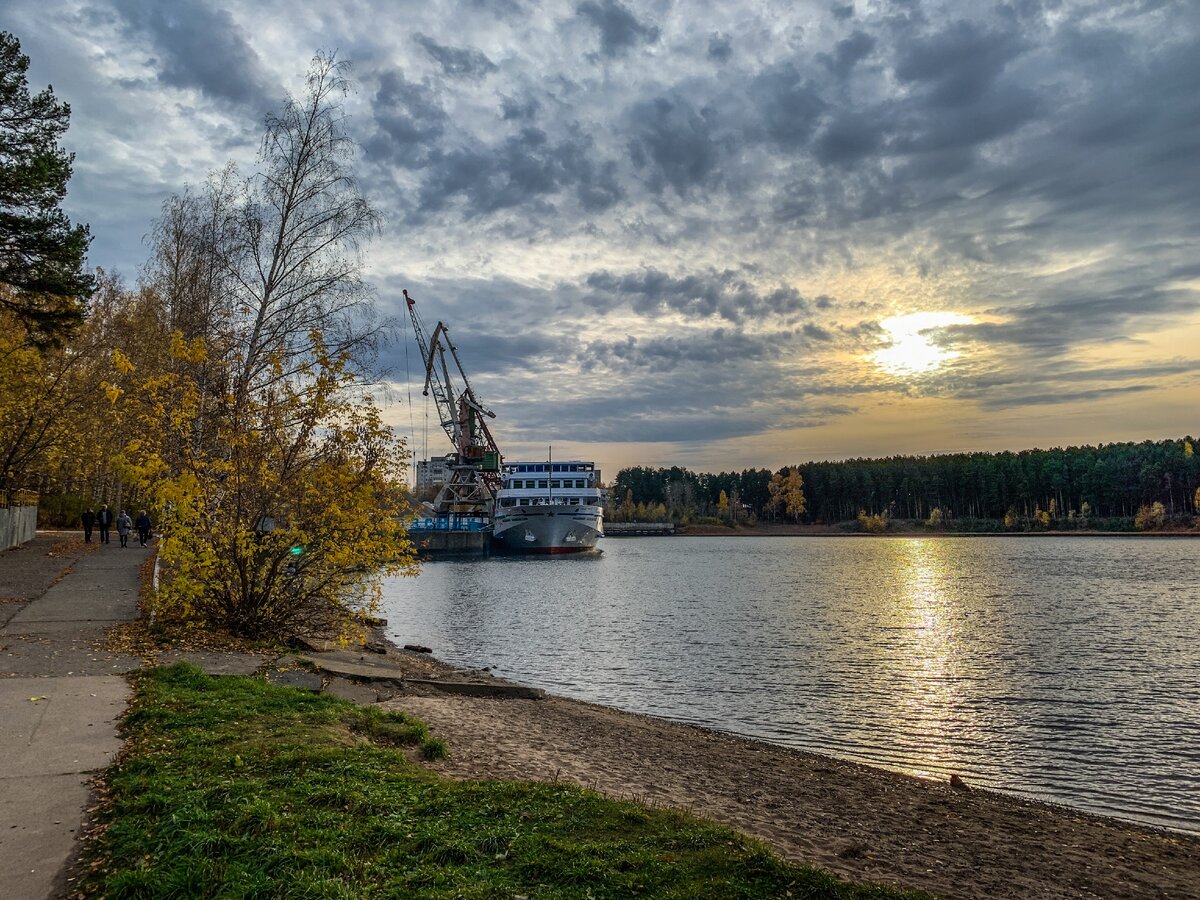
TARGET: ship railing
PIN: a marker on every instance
(428, 524)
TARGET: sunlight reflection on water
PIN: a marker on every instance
(1061, 668)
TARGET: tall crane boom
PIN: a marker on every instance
(476, 473)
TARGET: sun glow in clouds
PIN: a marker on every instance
(911, 352)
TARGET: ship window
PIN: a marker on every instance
(541, 484)
(507, 501)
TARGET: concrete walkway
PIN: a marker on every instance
(60, 697)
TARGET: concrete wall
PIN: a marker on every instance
(18, 524)
(621, 529)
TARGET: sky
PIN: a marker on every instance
(714, 234)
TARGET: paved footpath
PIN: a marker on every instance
(60, 697)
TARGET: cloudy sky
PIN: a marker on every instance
(720, 234)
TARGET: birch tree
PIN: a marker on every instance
(279, 487)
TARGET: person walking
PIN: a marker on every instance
(124, 524)
(89, 519)
(143, 527)
(104, 520)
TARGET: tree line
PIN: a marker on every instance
(1093, 483)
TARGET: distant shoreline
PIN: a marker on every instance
(833, 531)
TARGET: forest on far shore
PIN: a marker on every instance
(1120, 486)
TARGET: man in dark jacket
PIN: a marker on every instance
(89, 519)
(104, 520)
(142, 524)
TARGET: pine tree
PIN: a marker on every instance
(42, 281)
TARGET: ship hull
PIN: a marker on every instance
(548, 529)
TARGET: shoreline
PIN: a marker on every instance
(858, 821)
(832, 532)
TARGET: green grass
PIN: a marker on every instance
(231, 787)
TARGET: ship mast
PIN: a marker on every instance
(475, 475)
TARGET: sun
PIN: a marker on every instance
(909, 350)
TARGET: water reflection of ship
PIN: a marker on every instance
(549, 507)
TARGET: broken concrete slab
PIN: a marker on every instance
(357, 692)
(214, 663)
(497, 689)
(296, 678)
(356, 666)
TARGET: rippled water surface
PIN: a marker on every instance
(1061, 668)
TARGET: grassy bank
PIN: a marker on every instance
(233, 787)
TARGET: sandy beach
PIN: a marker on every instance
(861, 823)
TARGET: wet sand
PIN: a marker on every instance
(863, 824)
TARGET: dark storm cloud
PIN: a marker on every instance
(848, 139)
(995, 401)
(790, 104)
(519, 109)
(674, 144)
(619, 28)
(727, 294)
(410, 120)
(1042, 379)
(457, 62)
(666, 354)
(817, 333)
(201, 47)
(1057, 323)
(526, 169)
(716, 400)
(958, 64)
(720, 47)
(848, 53)
(547, 383)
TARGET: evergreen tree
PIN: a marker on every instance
(42, 278)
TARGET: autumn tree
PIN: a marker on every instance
(876, 523)
(289, 527)
(43, 285)
(280, 488)
(787, 492)
(1149, 518)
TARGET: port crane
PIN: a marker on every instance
(475, 474)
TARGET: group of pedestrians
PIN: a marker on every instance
(103, 520)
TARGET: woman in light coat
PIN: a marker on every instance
(124, 525)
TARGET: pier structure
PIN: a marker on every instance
(451, 535)
(639, 529)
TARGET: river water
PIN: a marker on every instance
(1061, 668)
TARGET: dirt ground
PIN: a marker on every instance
(861, 823)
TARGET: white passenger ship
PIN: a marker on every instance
(549, 507)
